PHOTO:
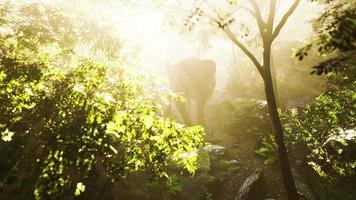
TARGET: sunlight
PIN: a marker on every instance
(177, 99)
(143, 28)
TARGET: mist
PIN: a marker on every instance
(177, 99)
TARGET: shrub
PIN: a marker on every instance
(79, 130)
(327, 127)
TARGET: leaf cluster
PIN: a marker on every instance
(79, 129)
(327, 127)
(336, 33)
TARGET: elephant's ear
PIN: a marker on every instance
(209, 67)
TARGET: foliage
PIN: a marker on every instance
(251, 116)
(72, 127)
(37, 27)
(327, 119)
(336, 27)
(268, 148)
(327, 127)
(77, 129)
(336, 32)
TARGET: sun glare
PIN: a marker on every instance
(144, 27)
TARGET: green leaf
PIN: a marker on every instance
(148, 121)
(7, 135)
(80, 188)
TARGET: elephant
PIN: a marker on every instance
(196, 79)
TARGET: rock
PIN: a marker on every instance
(298, 163)
(342, 145)
(253, 187)
(232, 162)
(215, 149)
(216, 152)
(225, 164)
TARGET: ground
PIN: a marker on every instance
(240, 146)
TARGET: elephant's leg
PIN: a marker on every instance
(201, 116)
(184, 112)
(201, 112)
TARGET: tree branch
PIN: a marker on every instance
(245, 50)
(261, 24)
(284, 19)
(248, 10)
(271, 16)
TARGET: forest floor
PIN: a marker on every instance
(240, 146)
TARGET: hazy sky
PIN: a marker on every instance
(160, 44)
(143, 25)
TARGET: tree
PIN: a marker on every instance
(289, 72)
(35, 27)
(268, 32)
(80, 128)
(326, 127)
(335, 34)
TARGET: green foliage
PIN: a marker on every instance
(327, 127)
(336, 32)
(80, 129)
(38, 27)
(336, 28)
(268, 149)
(75, 125)
(251, 116)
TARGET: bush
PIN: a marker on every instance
(327, 127)
(250, 116)
(78, 130)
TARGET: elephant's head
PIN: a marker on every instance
(195, 78)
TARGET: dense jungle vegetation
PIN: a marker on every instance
(88, 112)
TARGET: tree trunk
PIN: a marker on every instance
(268, 33)
(277, 126)
(274, 79)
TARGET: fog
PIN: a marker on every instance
(160, 40)
(154, 31)
(171, 99)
